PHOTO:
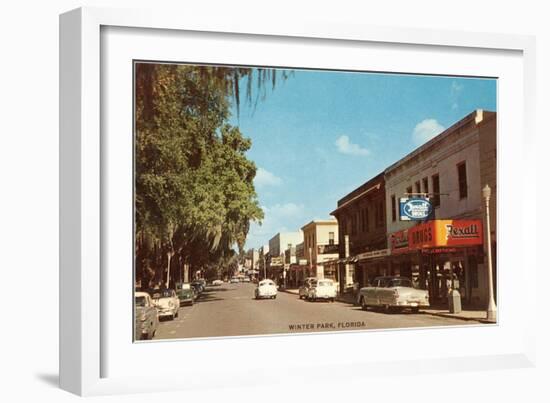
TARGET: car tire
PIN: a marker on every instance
(364, 306)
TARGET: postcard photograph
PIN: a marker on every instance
(276, 201)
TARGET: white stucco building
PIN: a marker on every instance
(451, 169)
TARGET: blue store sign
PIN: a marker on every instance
(414, 209)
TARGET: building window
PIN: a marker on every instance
(462, 180)
(393, 209)
(425, 185)
(436, 200)
(331, 238)
(380, 214)
(417, 187)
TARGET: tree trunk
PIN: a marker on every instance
(168, 269)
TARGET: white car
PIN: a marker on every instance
(167, 302)
(217, 282)
(266, 289)
(246, 280)
(322, 289)
(393, 293)
(234, 280)
(146, 317)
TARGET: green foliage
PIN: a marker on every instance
(194, 195)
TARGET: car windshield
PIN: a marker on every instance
(266, 283)
(399, 282)
(161, 294)
(324, 283)
(186, 286)
(141, 301)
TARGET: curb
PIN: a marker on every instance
(448, 315)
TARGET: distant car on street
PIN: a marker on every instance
(322, 289)
(185, 293)
(167, 302)
(393, 293)
(304, 288)
(266, 289)
(234, 280)
(246, 280)
(146, 321)
(217, 282)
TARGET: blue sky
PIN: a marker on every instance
(319, 135)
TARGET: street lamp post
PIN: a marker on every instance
(491, 306)
(310, 263)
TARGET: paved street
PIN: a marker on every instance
(231, 310)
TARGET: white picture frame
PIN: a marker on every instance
(83, 173)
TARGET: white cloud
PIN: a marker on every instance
(285, 210)
(426, 130)
(266, 178)
(456, 90)
(277, 218)
(346, 147)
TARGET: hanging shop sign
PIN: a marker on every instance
(446, 233)
(414, 209)
(327, 249)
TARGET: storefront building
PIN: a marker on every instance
(320, 245)
(361, 217)
(435, 253)
(450, 170)
(277, 263)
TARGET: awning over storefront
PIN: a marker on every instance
(374, 254)
(443, 235)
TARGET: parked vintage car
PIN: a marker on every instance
(322, 289)
(393, 293)
(146, 320)
(304, 288)
(167, 302)
(266, 289)
(234, 280)
(246, 279)
(185, 293)
(217, 282)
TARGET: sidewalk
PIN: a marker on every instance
(480, 316)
